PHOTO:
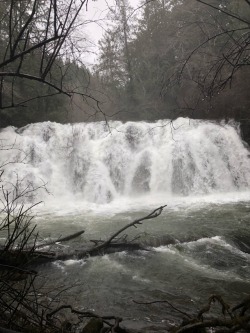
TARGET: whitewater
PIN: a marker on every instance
(100, 176)
(99, 163)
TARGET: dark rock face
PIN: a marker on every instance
(245, 130)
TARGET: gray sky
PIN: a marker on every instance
(97, 12)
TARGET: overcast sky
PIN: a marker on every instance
(97, 12)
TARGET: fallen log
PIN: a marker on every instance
(103, 246)
(60, 240)
(34, 256)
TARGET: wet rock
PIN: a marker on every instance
(245, 130)
(93, 326)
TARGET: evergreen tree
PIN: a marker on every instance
(115, 66)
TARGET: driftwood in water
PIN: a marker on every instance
(111, 243)
(60, 240)
(114, 243)
(17, 257)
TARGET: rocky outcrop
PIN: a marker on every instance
(245, 130)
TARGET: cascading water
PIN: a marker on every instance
(113, 174)
(99, 163)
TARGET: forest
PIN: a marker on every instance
(167, 59)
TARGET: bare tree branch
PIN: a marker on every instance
(34, 78)
(225, 12)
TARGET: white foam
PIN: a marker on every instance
(88, 168)
(191, 262)
(68, 263)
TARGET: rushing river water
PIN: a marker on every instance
(100, 178)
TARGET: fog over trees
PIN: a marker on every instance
(185, 57)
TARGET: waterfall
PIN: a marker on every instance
(99, 162)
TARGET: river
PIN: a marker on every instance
(100, 177)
